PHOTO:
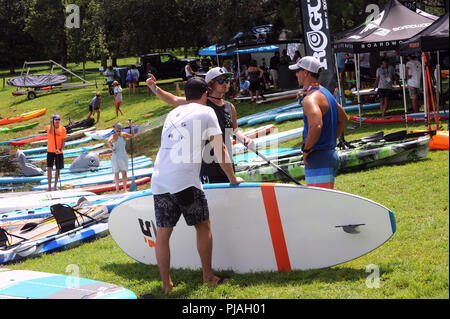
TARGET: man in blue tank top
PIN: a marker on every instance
(324, 121)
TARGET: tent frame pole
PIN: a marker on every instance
(356, 58)
(341, 98)
(402, 75)
(425, 95)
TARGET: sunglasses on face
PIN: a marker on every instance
(222, 81)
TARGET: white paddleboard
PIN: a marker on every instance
(240, 98)
(39, 199)
(25, 284)
(262, 227)
(271, 140)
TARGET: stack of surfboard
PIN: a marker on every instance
(298, 114)
(34, 231)
(414, 117)
(104, 168)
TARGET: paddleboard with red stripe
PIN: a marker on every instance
(110, 187)
(258, 132)
(262, 227)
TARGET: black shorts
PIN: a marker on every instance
(190, 202)
(384, 93)
(57, 159)
(92, 109)
(365, 73)
(254, 86)
(349, 67)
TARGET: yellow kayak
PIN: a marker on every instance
(23, 117)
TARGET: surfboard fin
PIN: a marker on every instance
(350, 229)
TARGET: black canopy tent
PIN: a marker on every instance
(433, 38)
(394, 25)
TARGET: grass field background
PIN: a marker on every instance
(414, 263)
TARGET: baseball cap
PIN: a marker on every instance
(195, 87)
(117, 126)
(308, 63)
(216, 72)
(56, 117)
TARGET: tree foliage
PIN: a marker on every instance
(35, 29)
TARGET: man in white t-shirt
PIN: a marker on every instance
(176, 185)
(413, 74)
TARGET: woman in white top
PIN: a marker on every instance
(189, 72)
(119, 159)
(117, 97)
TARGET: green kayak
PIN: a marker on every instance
(17, 128)
(362, 157)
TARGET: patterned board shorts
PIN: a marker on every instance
(190, 202)
(321, 169)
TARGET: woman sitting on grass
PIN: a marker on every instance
(119, 159)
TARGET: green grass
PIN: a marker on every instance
(414, 263)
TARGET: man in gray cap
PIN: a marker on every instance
(324, 121)
(218, 80)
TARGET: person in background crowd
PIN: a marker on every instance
(109, 74)
(385, 78)
(349, 69)
(133, 80)
(189, 71)
(273, 66)
(94, 105)
(413, 73)
(285, 59)
(244, 85)
(117, 97)
(255, 75)
(297, 56)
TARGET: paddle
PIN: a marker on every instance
(397, 136)
(56, 147)
(343, 144)
(278, 168)
(133, 186)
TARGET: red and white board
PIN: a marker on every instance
(110, 187)
(258, 132)
(262, 227)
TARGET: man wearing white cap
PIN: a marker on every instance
(324, 121)
(218, 80)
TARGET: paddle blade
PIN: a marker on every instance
(133, 186)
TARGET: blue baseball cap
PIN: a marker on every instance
(56, 117)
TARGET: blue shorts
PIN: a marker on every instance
(321, 168)
(413, 91)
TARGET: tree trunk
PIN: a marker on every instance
(104, 60)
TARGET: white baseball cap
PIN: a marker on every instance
(216, 72)
(308, 63)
